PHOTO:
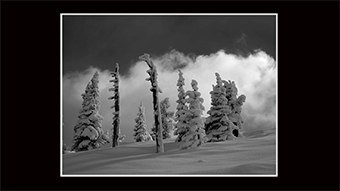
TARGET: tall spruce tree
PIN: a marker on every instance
(155, 90)
(217, 123)
(181, 126)
(195, 136)
(88, 133)
(141, 134)
(235, 103)
(225, 120)
(115, 98)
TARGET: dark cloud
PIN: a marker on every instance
(105, 40)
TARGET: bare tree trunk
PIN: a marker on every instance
(116, 120)
(158, 123)
(157, 112)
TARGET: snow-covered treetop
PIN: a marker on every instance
(95, 78)
(146, 57)
(141, 113)
(194, 85)
(93, 87)
(230, 88)
(180, 81)
(218, 79)
(91, 95)
(219, 102)
(141, 108)
(182, 108)
(181, 93)
(152, 72)
(87, 91)
(194, 99)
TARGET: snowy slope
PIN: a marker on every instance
(253, 155)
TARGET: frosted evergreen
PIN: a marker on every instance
(141, 134)
(88, 133)
(235, 103)
(224, 121)
(181, 126)
(195, 134)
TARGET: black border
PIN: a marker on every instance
(308, 37)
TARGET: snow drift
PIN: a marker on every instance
(255, 154)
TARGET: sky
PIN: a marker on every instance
(239, 48)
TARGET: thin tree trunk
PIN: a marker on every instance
(158, 122)
(116, 121)
(157, 113)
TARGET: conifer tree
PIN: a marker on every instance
(235, 103)
(166, 117)
(217, 123)
(115, 98)
(141, 134)
(225, 120)
(195, 136)
(155, 90)
(181, 126)
(88, 130)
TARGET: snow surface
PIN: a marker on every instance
(253, 155)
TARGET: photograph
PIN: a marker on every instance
(168, 95)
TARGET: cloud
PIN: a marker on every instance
(255, 77)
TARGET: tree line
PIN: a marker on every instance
(224, 121)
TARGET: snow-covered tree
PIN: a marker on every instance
(182, 110)
(141, 134)
(225, 120)
(235, 103)
(217, 123)
(88, 133)
(155, 90)
(195, 136)
(166, 116)
(115, 98)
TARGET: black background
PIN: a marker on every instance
(308, 103)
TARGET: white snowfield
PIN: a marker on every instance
(255, 154)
